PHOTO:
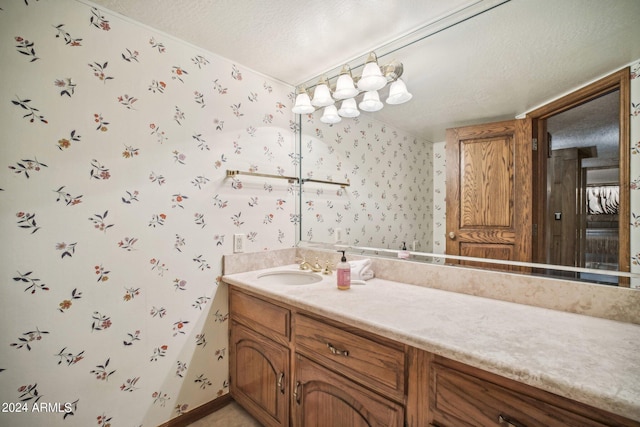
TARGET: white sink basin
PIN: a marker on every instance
(289, 277)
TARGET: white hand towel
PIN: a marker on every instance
(361, 269)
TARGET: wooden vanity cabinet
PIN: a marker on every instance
(259, 363)
(460, 395)
(311, 369)
(290, 367)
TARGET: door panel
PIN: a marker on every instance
(322, 398)
(257, 370)
(486, 176)
(489, 190)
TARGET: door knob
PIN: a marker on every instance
(452, 235)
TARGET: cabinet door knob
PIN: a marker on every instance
(452, 235)
(296, 393)
(281, 382)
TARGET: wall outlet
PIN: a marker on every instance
(415, 245)
(238, 243)
(339, 235)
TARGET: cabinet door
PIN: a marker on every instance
(324, 398)
(259, 371)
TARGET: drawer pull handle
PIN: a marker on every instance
(296, 393)
(508, 422)
(334, 350)
(281, 382)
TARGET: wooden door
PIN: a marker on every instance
(489, 190)
(259, 370)
(322, 398)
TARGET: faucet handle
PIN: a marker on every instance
(304, 265)
(328, 268)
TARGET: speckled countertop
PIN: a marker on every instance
(588, 359)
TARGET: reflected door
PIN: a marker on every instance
(489, 190)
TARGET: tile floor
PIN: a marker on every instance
(231, 415)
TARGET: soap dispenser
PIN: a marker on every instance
(343, 273)
(403, 253)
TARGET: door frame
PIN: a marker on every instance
(620, 80)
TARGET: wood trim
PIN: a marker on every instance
(594, 90)
(620, 80)
(624, 240)
(417, 403)
(539, 191)
(523, 190)
(200, 412)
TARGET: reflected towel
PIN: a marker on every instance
(361, 269)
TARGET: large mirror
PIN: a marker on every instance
(495, 65)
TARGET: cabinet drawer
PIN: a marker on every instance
(460, 399)
(268, 319)
(375, 365)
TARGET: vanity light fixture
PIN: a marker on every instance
(303, 102)
(371, 102)
(322, 94)
(348, 108)
(344, 86)
(398, 93)
(330, 115)
(348, 87)
(372, 78)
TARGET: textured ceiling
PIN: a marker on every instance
(493, 66)
(291, 40)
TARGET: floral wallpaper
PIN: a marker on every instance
(390, 197)
(635, 172)
(116, 211)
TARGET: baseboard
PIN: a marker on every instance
(199, 412)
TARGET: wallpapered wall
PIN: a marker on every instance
(635, 172)
(390, 172)
(115, 213)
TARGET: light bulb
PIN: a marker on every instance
(330, 115)
(398, 93)
(371, 102)
(303, 104)
(349, 108)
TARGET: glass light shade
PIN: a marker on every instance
(303, 104)
(345, 88)
(371, 102)
(322, 96)
(398, 93)
(372, 78)
(348, 108)
(330, 115)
